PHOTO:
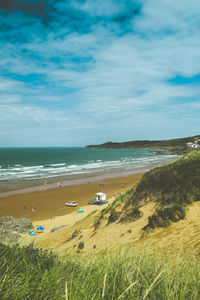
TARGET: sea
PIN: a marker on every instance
(37, 163)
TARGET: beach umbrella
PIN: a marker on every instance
(40, 228)
(80, 210)
(32, 233)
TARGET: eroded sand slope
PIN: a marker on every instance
(183, 235)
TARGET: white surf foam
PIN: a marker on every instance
(18, 171)
(57, 165)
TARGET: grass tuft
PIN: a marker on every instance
(27, 273)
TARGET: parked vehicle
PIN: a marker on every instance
(71, 204)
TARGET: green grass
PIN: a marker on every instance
(123, 198)
(172, 187)
(29, 273)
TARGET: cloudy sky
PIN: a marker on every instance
(78, 72)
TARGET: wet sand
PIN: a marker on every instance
(34, 185)
(50, 203)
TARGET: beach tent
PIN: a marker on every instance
(40, 228)
(32, 233)
(80, 210)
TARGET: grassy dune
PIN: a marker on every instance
(172, 188)
(28, 273)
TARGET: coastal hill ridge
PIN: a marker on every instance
(172, 145)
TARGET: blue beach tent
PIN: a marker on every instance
(32, 233)
(40, 228)
(80, 210)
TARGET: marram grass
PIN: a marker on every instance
(171, 187)
(28, 273)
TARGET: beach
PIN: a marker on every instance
(50, 203)
(22, 186)
(24, 170)
(36, 183)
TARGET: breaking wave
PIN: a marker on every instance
(18, 171)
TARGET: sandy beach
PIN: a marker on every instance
(50, 203)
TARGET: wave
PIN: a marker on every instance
(51, 170)
(33, 167)
(55, 165)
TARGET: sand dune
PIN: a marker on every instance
(181, 236)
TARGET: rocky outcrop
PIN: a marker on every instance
(11, 228)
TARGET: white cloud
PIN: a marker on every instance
(123, 81)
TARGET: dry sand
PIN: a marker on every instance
(179, 237)
(183, 235)
(71, 218)
(51, 203)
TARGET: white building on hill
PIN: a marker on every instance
(194, 145)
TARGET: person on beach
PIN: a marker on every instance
(45, 184)
(59, 184)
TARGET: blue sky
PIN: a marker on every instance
(81, 72)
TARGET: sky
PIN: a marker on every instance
(81, 72)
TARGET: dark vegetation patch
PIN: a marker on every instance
(114, 216)
(81, 245)
(75, 233)
(164, 216)
(132, 215)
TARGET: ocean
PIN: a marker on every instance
(38, 163)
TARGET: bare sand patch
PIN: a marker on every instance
(179, 237)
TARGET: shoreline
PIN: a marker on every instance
(9, 188)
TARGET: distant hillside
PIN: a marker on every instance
(174, 145)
